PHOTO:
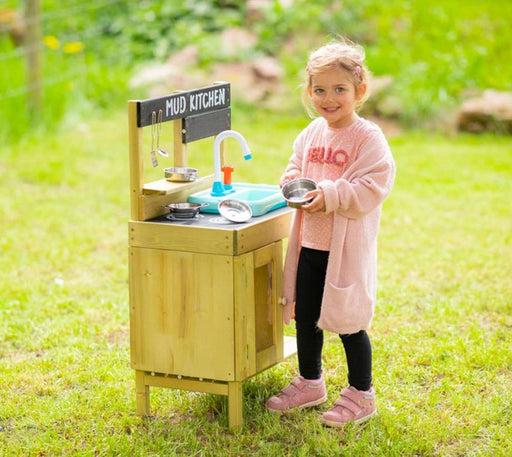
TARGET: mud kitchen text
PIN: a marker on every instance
(191, 102)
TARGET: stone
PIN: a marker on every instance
(259, 81)
(175, 71)
(267, 68)
(235, 40)
(151, 74)
(490, 112)
(380, 102)
(187, 57)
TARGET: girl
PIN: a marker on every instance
(331, 262)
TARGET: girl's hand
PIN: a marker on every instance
(289, 176)
(318, 202)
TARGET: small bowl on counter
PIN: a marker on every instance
(180, 174)
(235, 210)
(293, 192)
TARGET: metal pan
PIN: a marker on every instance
(185, 209)
(180, 174)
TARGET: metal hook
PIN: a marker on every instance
(154, 161)
(159, 129)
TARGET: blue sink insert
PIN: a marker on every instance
(261, 198)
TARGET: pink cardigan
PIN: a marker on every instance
(356, 200)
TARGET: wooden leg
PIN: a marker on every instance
(235, 405)
(142, 394)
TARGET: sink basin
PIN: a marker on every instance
(261, 198)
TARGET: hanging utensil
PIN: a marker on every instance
(154, 161)
(159, 129)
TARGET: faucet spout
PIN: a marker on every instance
(218, 189)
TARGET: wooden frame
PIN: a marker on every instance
(204, 312)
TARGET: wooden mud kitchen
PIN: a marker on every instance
(204, 311)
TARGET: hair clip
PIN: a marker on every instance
(358, 72)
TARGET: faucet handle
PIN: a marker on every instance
(227, 169)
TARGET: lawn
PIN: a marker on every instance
(442, 333)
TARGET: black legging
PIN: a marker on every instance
(309, 290)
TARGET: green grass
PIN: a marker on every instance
(442, 333)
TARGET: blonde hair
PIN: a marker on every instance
(341, 54)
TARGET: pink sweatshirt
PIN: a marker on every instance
(354, 167)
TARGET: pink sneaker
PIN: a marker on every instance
(353, 406)
(301, 393)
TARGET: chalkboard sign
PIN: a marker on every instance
(203, 125)
(183, 104)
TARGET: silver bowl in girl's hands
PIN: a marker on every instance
(295, 190)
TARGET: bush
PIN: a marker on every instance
(435, 50)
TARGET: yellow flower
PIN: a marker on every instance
(73, 48)
(52, 42)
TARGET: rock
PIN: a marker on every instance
(236, 73)
(236, 40)
(187, 57)
(379, 84)
(151, 74)
(381, 103)
(255, 81)
(267, 68)
(490, 112)
(174, 72)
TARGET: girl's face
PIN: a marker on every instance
(334, 97)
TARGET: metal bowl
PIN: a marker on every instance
(294, 191)
(185, 209)
(235, 210)
(180, 174)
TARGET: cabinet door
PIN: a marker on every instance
(259, 328)
(181, 313)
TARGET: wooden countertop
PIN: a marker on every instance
(210, 233)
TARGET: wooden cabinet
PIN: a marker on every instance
(204, 315)
(205, 322)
